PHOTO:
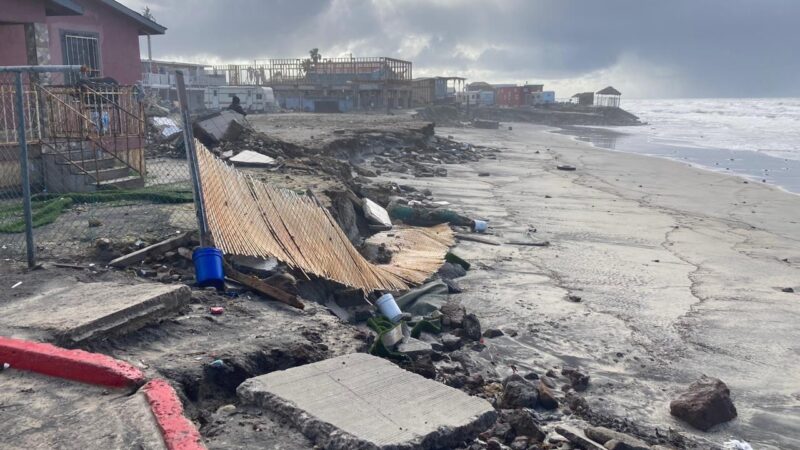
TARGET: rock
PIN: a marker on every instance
(483, 174)
(376, 214)
(452, 314)
(504, 432)
(472, 327)
(623, 441)
(519, 394)
(226, 409)
(414, 347)
(450, 271)
(492, 333)
(531, 376)
(577, 403)
(519, 443)
(574, 298)
(95, 223)
(524, 424)
(494, 444)
(577, 438)
(452, 286)
(565, 167)
(546, 398)
(788, 290)
(577, 379)
(103, 243)
(705, 404)
(547, 381)
(621, 445)
(451, 342)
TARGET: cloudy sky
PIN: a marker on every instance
(645, 48)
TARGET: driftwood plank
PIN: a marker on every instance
(161, 247)
(262, 287)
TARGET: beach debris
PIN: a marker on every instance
(788, 290)
(486, 124)
(161, 247)
(416, 253)
(530, 243)
(419, 215)
(16, 285)
(706, 403)
(518, 393)
(376, 214)
(566, 167)
(216, 310)
(414, 347)
(250, 158)
(450, 271)
(574, 298)
(221, 126)
(294, 228)
(604, 435)
(262, 287)
(479, 226)
(483, 174)
(474, 238)
(167, 127)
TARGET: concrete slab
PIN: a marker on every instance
(37, 411)
(360, 402)
(74, 313)
(251, 158)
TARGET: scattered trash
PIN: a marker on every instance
(217, 363)
(5, 366)
(167, 127)
(221, 126)
(566, 167)
(145, 251)
(388, 307)
(479, 226)
(217, 310)
(16, 284)
(262, 287)
(486, 124)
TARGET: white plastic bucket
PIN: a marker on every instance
(479, 225)
(388, 307)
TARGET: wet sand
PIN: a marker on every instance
(680, 272)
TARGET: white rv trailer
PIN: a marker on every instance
(253, 98)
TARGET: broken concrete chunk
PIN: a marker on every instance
(376, 214)
(224, 125)
(414, 347)
(705, 404)
(253, 159)
(518, 393)
(251, 264)
(359, 401)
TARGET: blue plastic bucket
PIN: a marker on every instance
(479, 225)
(208, 267)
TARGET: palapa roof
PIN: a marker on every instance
(609, 91)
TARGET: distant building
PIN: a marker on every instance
(102, 35)
(158, 77)
(430, 90)
(608, 97)
(542, 98)
(511, 96)
(583, 98)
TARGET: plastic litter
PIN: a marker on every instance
(217, 310)
(388, 307)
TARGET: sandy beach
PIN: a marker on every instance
(680, 273)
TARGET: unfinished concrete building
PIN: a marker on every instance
(328, 84)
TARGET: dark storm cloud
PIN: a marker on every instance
(647, 48)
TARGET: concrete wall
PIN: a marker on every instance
(22, 11)
(12, 47)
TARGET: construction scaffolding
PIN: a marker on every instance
(327, 84)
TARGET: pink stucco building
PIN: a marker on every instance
(100, 34)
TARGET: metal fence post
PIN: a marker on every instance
(23, 167)
(191, 156)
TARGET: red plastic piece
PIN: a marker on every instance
(217, 310)
(76, 365)
(179, 433)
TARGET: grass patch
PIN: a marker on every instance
(47, 207)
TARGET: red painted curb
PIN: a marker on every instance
(179, 432)
(76, 365)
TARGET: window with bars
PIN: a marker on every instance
(82, 49)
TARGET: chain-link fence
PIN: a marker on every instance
(98, 166)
